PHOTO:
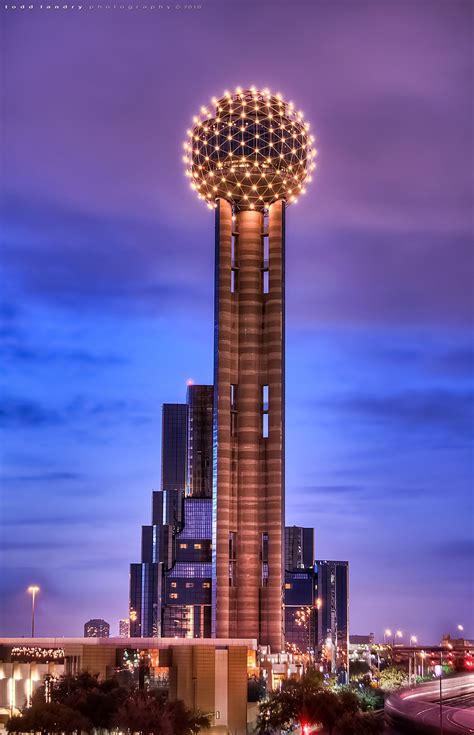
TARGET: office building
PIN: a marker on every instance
(170, 588)
(96, 628)
(186, 605)
(124, 628)
(299, 547)
(174, 452)
(301, 612)
(333, 618)
(248, 156)
(200, 400)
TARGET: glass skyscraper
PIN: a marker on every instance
(200, 400)
(170, 589)
(299, 547)
(333, 618)
(174, 459)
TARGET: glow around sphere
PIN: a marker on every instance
(251, 148)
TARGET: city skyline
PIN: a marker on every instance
(104, 280)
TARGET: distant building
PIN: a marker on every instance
(96, 628)
(146, 577)
(200, 400)
(300, 603)
(299, 547)
(174, 459)
(124, 628)
(361, 640)
(333, 617)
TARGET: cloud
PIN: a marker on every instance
(25, 413)
(434, 410)
(21, 413)
(46, 477)
(73, 258)
(457, 550)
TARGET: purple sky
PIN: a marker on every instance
(108, 292)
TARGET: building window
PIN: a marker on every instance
(173, 584)
(198, 546)
(265, 399)
(266, 282)
(206, 585)
(288, 586)
(189, 585)
(233, 397)
(233, 280)
(183, 546)
(173, 595)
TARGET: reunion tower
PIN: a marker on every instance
(249, 155)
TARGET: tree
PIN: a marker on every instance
(307, 703)
(287, 706)
(49, 717)
(359, 723)
(359, 669)
(327, 708)
(150, 713)
(256, 689)
(369, 698)
(392, 678)
(82, 703)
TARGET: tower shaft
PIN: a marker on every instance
(248, 514)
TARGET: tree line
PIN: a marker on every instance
(82, 703)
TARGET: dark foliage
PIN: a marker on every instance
(82, 703)
(359, 723)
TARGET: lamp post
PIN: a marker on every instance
(439, 674)
(413, 640)
(33, 589)
(386, 634)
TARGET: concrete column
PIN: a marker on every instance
(248, 477)
(224, 347)
(274, 328)
(249, 421)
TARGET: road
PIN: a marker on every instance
(418, 710)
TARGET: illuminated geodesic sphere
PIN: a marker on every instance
(250, 148)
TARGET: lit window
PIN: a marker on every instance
(288, 586)
(198, 546)
(173, 584)
(189, 584)
(174, 595)
(183, 546)
(206, 585)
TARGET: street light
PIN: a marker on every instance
(33, 589)
(386, 634)
(413, 639)
(461, 628)
(398, 634)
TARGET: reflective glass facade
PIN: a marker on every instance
(187, 586)
(200, 400)
(299, 547)
(301, 611)
(174, 458)
(96, 628)
(333, 623)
